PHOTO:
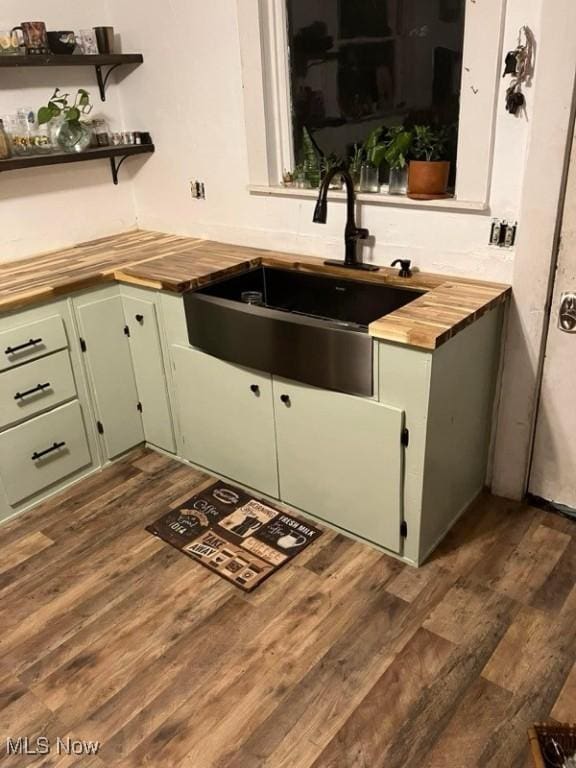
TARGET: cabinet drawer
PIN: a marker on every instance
(18, 345)
(30, 389)
(42, 451)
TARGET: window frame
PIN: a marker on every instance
(267, 98)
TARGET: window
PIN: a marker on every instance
(356, 65)
(371, 62)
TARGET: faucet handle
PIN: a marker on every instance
(405, 265)
(362, 233)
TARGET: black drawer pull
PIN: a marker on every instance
(256, 389)
(139, 318)
(39, 388)
(55, 447)
(286, 400)
(31, 343)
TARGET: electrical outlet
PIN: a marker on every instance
(503, 233)
(198, 190)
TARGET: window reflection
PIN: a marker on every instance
(359, 64)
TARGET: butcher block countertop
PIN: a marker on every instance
(177, 264)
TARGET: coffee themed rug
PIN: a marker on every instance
(234, 534)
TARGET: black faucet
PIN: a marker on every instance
(352, 233)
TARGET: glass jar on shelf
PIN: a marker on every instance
(18, 129)
(5, 150)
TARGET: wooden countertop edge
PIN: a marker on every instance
(457, 301)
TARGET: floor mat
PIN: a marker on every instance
(242, 539)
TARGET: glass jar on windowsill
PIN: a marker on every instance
(369, 178)
(398, 181)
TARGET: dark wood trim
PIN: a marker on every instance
(72, 60)
(57, 158)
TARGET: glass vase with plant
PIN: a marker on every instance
(373, 151)
(355, 164)
(327, 164)
(397, 146)
(70, 133)
(429, 171)
(311, 159)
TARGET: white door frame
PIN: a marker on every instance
(536, 252)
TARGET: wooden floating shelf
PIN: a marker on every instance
(58, 158)
(71, 60)
(96, 60)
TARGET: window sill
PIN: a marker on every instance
(375, 198)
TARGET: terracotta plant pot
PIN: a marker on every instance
(428, 180)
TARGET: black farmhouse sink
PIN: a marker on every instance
(311, 328)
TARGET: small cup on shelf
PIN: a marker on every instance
(104, 39)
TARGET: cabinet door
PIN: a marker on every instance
(226, 418)
(340, 458)
(110, 371)
(148, 363)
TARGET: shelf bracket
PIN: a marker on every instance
(115, 167)
(103, 79)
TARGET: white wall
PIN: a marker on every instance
(191, 85)
(52, 207)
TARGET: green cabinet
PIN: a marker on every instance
(146, 349)
(109, 365)
(226, 418)
(340, 458)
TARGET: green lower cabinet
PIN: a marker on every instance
(110, 371)
(146, 350)
(341, 458)
(226, 418)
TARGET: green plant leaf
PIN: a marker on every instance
(45, 114)
(73, 114)
(397, 148)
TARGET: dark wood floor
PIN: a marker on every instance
(345, 658)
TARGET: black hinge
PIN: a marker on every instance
(139, 407)
(126, 331)
(404, 529)
(82, 345)
(100, 427)
(405, 437)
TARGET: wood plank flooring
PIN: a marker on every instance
(345, 658)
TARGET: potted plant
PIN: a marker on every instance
(327, 164)
(428, 172)
(70, 132)
(355, 164)
(373, 154)
(397, 145)
(312, 159)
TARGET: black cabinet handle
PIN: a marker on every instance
(55, 447)
(256, 389)
(39, 388)
(31, 343)
(139, 318)
(286, 400)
